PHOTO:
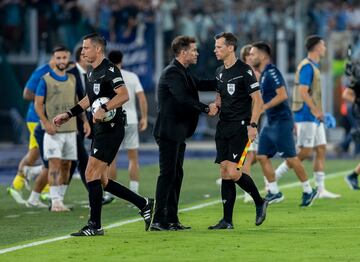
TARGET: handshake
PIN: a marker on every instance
(213, 109)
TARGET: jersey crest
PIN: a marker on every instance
(231, 88)
(96, 88)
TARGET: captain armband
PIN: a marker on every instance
(74, 111)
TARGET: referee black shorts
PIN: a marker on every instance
(107, 140)
(231, 139)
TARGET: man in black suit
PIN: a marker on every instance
(178, 113)
(79, 71)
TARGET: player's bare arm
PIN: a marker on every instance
(39, 108)
(28, 95)
(257, 104)
(317, 112)
(281, 96)
(143, 110)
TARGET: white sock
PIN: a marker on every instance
(307, 187)
(134, 186)
(54, 193)
(62, 191)
(281, 170)
(32, 172)
(34, 197)
(320, 180)
(273, 187)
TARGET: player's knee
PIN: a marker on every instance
(261, 158)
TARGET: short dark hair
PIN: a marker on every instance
(263, 46)
(59, 48)
(78, 53)
(244, 52)
(96, 38)
(115, 56)
(230, 39)
(312, 41)
(181, 42)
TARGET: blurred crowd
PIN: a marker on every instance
(118, 20)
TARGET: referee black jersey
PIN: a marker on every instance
(101, 82)
(235, 85)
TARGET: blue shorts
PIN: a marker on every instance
(277, 137)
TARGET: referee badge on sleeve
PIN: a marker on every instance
(96, 88)
(231, 88)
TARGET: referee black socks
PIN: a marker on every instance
(248, 185)
(123, 192)
(95, 201)
(228, 195)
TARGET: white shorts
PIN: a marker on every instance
(60, 145)
(254, 144)
(310, 134)
(131, 138)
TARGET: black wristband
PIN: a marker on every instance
(253, 124)
(76, 110)
(207, 110)
(103, 106)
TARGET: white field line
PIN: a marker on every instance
(46, 241)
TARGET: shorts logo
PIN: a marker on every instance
(95, 150)
(235, 155)
(112, 124)
(249, 72)
(96, 89)
(281, 153)
(231, 88)
(111, 69)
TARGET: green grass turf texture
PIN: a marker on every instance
(327, 231)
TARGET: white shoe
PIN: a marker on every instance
(326, 194)
(248, 198)
(16, 195)
(58, 206)
(37, 204)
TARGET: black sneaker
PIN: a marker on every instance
(88, 231)
(147, 211)
(308, 198)
(261, 213)
(222, 224)
(352, 181)
(178, 226)
(159, 227)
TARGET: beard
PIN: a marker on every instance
(61, 67)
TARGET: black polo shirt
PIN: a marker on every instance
(101, 82)
(235, 85)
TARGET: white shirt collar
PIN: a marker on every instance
(81, 70)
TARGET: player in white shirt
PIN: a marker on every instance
(131, 139)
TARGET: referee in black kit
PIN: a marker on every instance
(104, 80)
(178, 114)
(240, 103)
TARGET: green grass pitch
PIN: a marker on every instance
(327, 231)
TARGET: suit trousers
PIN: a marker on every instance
(171, 159)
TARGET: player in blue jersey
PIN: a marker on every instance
(309, 115)
(32, 121)
(276, 135)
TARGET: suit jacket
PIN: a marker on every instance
(80, 92)
(178, 102)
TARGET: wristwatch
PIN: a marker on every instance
(253, 124)
(103, 106)
(207, 109)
